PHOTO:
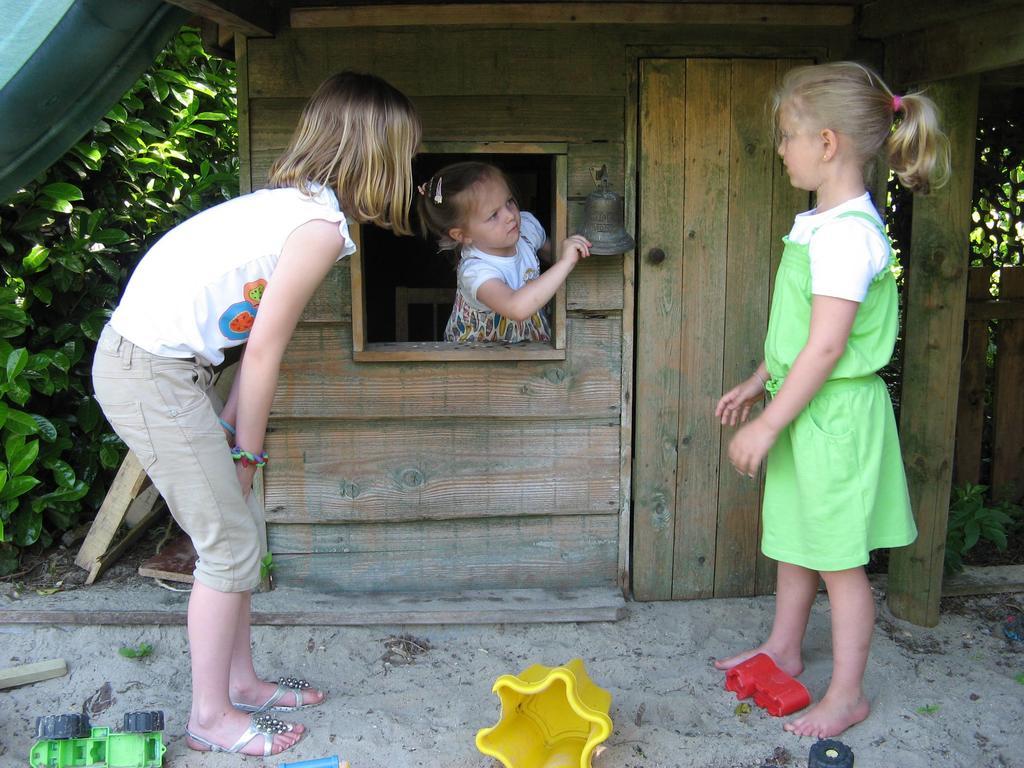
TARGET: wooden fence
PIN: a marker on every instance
(1001, 319)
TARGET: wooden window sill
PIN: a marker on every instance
(440, 351)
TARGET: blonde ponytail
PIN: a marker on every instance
(917, 149)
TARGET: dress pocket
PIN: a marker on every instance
(826, 458)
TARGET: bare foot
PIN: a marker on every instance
(830, 717)
(791, 664)
(260, 691)
(228, 728)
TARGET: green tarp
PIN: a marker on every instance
(63, 64)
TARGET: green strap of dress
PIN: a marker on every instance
(872, 337)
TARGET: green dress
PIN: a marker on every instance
(835, 488)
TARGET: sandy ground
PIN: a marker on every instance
(948, 696)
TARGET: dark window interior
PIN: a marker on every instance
(391, 262)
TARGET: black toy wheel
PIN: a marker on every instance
(62, 727)
(143, 722)
(830, 753)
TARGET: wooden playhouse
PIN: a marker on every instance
(592, 467)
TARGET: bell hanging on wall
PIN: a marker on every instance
(603, 219)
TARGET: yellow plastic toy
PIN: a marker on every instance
(551, 717)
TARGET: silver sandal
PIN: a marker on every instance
(285, 685)
(263, 725)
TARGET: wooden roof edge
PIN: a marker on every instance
(881, 19)
(252, 18)
(532, 13)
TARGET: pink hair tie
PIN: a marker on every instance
(897, 102)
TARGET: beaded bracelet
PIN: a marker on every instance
(246, 458)
(228, 427)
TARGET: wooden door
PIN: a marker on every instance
(714, 202)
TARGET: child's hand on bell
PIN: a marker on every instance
(575, 247)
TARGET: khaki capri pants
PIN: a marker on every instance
(165, 410)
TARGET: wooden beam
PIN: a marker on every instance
(884, 18)
(936, 298)
(252, 18)
(983, 44)
(996, 309)
(520, 14)
(126, 485)
(513, 606)
(32, 673)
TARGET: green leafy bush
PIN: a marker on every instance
(68, 242)
(971, 520)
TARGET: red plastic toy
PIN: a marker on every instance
(778, 693)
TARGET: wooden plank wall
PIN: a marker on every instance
(435, 476)
(406, 476)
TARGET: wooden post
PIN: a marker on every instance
(936, 300)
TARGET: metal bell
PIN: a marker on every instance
(603, 219)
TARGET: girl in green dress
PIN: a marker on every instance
(835, 487)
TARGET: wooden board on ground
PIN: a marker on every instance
(505, 606)
(175, 562)
(988, 580)
(24, 674)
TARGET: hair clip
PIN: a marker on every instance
(437, 192)
(422, 188)
(897, 102)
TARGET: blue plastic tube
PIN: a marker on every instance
(322, 762)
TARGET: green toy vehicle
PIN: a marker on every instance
(69, 741)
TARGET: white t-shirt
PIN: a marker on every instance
(197, 291)
(477, 267)
(847, 254)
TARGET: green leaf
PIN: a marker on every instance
(45, 428)
(110, 457)
(111, 236)
(61, 361)
(136, 652)
(18, 486)
(36, 258)
(63, 191)
(972, 532)
(60, 206)
(17, 392)
(28, 526)
(23, 458)
(13, 313)
(929, 709)
(74, 493)
(88, 414)
(267, 565)
(117, 113)
(16, 362)
(63, 474)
